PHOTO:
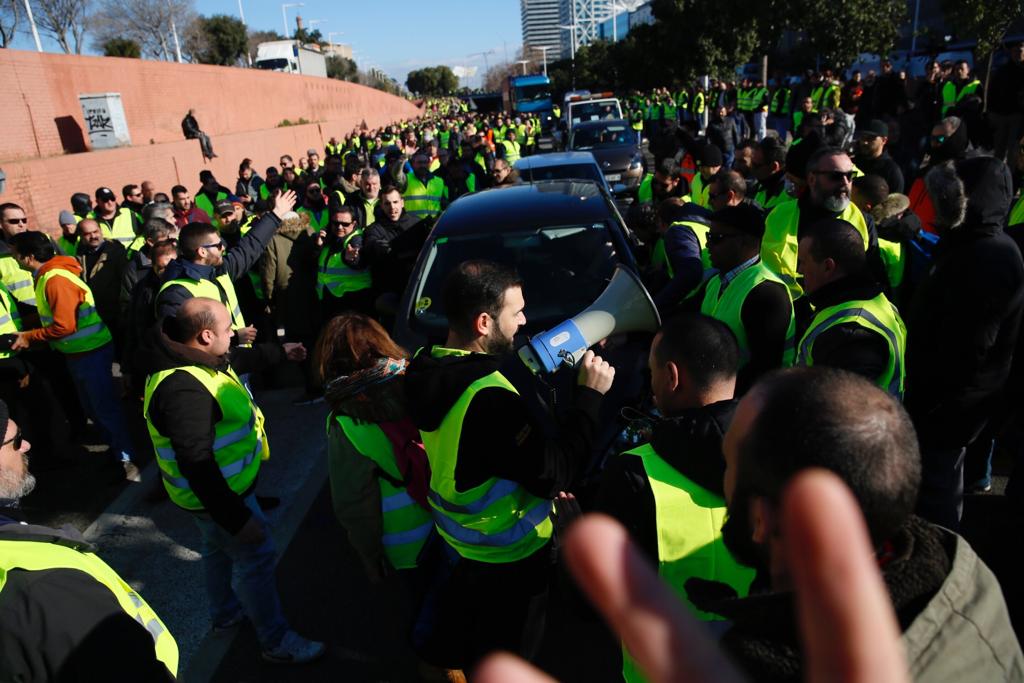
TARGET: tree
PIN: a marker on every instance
(986, 21)
(64, 20)
(226, 40)
(432, 80)
(146, 22)
(10, 18)
(121, 47)
(839, 31)
(304, 36)
(342, 68)
(257, 37)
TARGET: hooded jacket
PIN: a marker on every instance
(50, 621)
(390, 249)
(690, 442)
(499, 439)
(184, 411)
(63, 296)
(237, 261)
(964, 319)
(949, 606)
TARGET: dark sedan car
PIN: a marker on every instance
(564, 238)
(615, 146)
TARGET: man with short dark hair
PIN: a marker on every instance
(948, 603)
(494, 474)
(13, 221)
(204, 269)
(391, 243)
(133, 200)
(118, 222)
(103, 263)
(210, 194)
(871, 156)
(726, 188)
(853, 325)
(768, 166)
(668, 492)
(869, 191)
(342, 282)
(666, 181)
(185, 211)
(72, 325)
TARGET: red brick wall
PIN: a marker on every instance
(238, 108)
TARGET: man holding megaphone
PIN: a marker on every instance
(494, 473)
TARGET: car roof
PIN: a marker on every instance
(524, 206)
(555, 159)
(600, 123)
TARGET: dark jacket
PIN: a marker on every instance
(186, 413)
(722, 133)
(190, 127)
(237, 261)
(390, 249)
(885, 167)
(103, 270)
(692, 444)
(963, 322)
(684, 254)
(64, 625)
(1006, 91)
(948, 604)
(499, 439)
(847, 346)
(288, 272)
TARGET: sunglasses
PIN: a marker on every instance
(16, 220)
(215, 245)
(16, 441)
(716, 237)
(836, 176)
(344, 224)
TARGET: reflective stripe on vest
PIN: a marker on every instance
(17, 280)
(511, 151)
(122, 229)
(877, 315)
(239, 438)
(223, 290)
(727, 307)
(37, 555)
(423, 200)
(338, 277)
(10, 320)
(497, 521)
(406, 525)
(779, 245)
(90, 331)
(688, 520)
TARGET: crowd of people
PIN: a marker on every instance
(815, 317)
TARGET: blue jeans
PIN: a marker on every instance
(91, 374)
(240, 576)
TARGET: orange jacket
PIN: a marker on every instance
(63, 298)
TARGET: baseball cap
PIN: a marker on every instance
(66, 218)
(874, 127)
(224, 207)
(105, 194)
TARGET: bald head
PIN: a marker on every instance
(202, 324)
(90, 233)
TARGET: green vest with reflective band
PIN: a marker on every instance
(204, 203)
(768, 204)
(511, 151)
(1016, 213)
(90, 331)
(877, 315)
(422, 200)
(239, 440)
(17, 280)
(10, 321)
(333, 150)
(780, 102)
(779, 244)
(659, 257)
(645, 193)
(39, 555)
(894, 259)
(497, 521)
(317, 222)
(689, 522)
(406, 524)
(727, 307)
(223, 290)
(122, 227)
(698, 104)
(816, 96)
(951, 96)
(636, 120)
(338, 277)
(757, 98)
(135, 247)
(67, 246)
(683, 100)
(798, 117)
(699, 191)
(443, 138)
(743, 99)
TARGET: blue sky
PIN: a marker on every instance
(396, 36)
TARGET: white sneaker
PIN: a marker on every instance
(294, 649)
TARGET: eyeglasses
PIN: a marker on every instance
(215, 245)
(16, 441)
(16, 220)
(344, 224)
(716, 237)
(836, 176)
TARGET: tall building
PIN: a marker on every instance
(586, 16)
(540, 27)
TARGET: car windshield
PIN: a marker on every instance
(564, 172)
(272, 64)
(595, 111)
(608, 136)
(564, 268)
(533, 93)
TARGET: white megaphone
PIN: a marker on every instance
(624, 306)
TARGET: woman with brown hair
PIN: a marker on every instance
(378, 469)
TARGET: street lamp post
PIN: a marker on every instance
(174, 32)
(523, 63)
(544, 53)
(284, 13)
(32, 23)
(572, 49)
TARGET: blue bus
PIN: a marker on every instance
(530, 95)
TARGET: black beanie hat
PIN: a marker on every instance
(744, 217)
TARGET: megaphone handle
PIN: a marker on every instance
(567, 358)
